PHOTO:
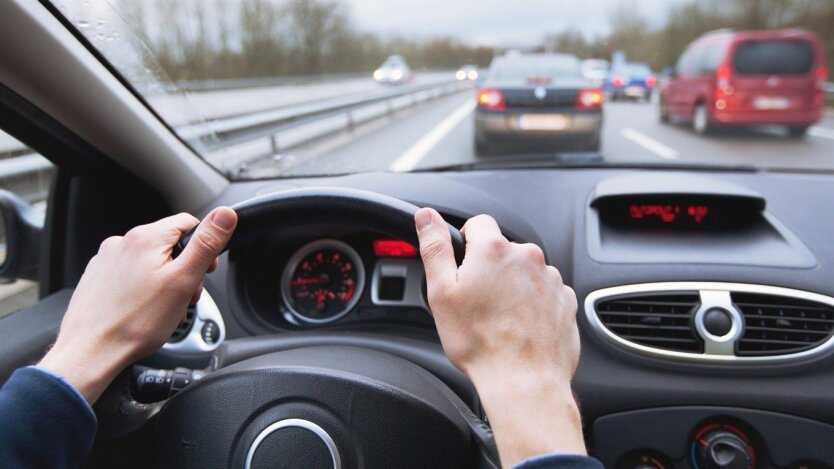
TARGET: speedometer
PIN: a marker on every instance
(322, 281)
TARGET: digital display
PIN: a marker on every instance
(677, 212)
(670, 213)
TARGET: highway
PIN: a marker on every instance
(216, 104)
(441, 133)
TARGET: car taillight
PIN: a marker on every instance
(651, 81)
(491, 99)
(821, 74)
(589, 98)
(723, 76)
(617, 80)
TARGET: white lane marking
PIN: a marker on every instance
(822, 132)
(412, 157)
(650, 144)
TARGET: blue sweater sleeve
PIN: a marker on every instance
(44, 422)
(560, 461)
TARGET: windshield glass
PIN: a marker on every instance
(284, 88)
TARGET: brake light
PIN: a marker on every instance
(651, 81)
(617, 80)
(393, 248)
(539, 80)
(491, 98)
(821, 74)
(723, 75)
(589, 98)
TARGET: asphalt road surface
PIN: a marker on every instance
(179, 109)
(441, 133)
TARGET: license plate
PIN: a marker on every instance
(634, 91)
(769, 102)
(543, 122)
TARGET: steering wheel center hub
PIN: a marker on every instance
(293, 443)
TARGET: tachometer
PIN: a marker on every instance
(322, 281)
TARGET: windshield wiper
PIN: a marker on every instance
(523, 161)
(578, 161)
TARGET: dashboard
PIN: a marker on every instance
(706, 298)
(316, 277)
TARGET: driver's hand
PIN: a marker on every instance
(131, 297)
(507, 320)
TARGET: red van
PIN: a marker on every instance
(748, 78)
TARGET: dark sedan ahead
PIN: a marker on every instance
(537, 102)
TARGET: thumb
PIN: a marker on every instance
(435, 249)
(209, 240)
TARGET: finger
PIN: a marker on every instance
(213, 266)
(166, 231)
(435, 248)
(210, 238)
(482, 233)
(197, 293)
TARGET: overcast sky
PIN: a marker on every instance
(497, 22)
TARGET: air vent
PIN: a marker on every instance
(183, 329)
(659, 320)
(777, 325)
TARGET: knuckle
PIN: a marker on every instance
(557, 276)
(534, 253)
(498, 245)
(135, 234)
(431, 248)
(109, 243)
(206, 243)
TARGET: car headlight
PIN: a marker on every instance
(473, 75)
(378, 75)
(460, 75)
(397, 74)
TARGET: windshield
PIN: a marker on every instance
(285, 88)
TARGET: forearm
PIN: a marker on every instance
(530, 415)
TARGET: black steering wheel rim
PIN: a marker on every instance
(347, 207)
(327, 205)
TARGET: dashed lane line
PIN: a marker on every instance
(650, 144)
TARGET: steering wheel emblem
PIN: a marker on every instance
(540, 92)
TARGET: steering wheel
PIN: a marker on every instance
(327, 399)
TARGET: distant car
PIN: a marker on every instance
(467, 72)
(538, 102)
(633, 80)
(773, 77)
(394, 71)
(596, 70)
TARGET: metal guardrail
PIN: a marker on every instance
(242, 83)
(28, 173)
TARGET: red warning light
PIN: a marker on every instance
(393, 248)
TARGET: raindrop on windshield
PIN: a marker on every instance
(83, 24)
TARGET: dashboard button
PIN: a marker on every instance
(210, 332)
